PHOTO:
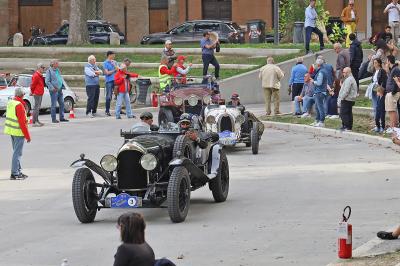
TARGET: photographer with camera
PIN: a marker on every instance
(122, 80)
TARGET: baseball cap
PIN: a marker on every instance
(181, 57)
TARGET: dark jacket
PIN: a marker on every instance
(134, 254)
(391, 85)
(356, 54)
(382, 78)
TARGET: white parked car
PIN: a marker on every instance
(233, 125)
(24, 81)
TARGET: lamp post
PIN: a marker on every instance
(276, 22)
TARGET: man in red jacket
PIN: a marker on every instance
(37, 90)
(180, 71)
(17, 127)
(122, 80)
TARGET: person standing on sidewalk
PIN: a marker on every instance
(320, 92)
(55, 84)
(392, 92)
(296, 81)
(356, 57)
(92, 82)
(350, 19)
(165, 75)
(342, 60)
(310, 25)
(110, 68)
(169, 53)
(393, 12)
(346, 99)
(122, 80)
(37, 91)
(16, 125)
(207, 54)
(271, 76)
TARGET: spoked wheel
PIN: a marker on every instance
(255, 138)
(183, 147)
(178, 194)
(84, 195)
(219, 186)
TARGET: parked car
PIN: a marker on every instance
(234, 125)
(192, 31)
(99, 32)
(3, 82)
(187, 98)
(24, 81)
(150, 169)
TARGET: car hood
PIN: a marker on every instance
(158, 34)
(149, 143)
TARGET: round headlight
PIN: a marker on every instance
(109, 163)
(178, 101)
(207, 99)
(240, 119)
(210, 119)
(148, 162)
(193, 100)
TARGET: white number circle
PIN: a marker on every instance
(132, 202)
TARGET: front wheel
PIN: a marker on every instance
(178, 194)
(255, 139)
(219, 186)
(84, 195)
(68, 104)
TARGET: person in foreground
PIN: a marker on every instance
(134, 250)
(16, 125)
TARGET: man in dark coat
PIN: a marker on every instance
(356, 57)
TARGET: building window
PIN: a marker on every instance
(35, 2)
(158, 4)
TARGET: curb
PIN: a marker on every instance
(374, 140)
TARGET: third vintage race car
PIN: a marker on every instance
(234, 125)
(150, 169)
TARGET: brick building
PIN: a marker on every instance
(138, 17)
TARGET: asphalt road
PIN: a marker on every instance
(283, 207)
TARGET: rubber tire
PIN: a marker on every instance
(10, 41)
(219, 193)
(28, 107)
(255, 140)
(84, 213)
(179, 174)
(66, 110)
(182, 144)
(165, 115)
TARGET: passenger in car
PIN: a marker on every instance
(235, 100)
(147, 118)
(185, 125)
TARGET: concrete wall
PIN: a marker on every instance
(248, 85)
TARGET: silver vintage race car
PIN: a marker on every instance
(234, 125)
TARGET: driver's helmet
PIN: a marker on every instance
(185, 121)
(235, 96)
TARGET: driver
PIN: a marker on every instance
(146, 123)
(185, 126)
(235, 100)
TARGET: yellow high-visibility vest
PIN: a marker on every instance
(11, 126)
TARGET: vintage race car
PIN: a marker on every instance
(187, 98)
(234, 125)
(151, 169)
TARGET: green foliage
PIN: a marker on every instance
(338, 35)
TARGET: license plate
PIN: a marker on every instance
(227, 138)
(125, 200)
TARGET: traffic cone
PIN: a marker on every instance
(31, 117)
(71, 113)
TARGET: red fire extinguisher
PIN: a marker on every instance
(154, 99)
(345, 236)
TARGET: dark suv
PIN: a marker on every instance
(99, 32)
(192, 31)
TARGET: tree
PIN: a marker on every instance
(78, 33)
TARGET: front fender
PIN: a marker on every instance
(213, 160)
(94, 167)
(196, 174)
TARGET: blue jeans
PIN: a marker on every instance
(319, 106)
(57, 97)
(109, 93)
(123, 97)
(307, 104)
(309, 31)
(17, 144)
